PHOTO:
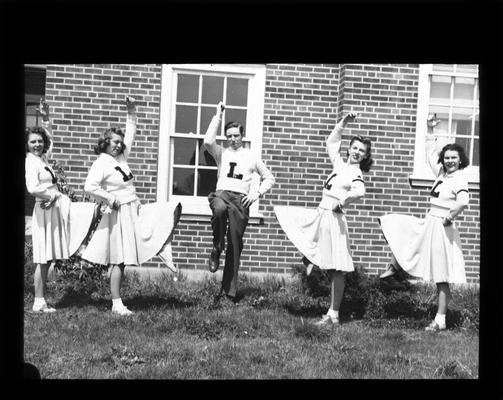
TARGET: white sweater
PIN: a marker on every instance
(110, 177)
(236, 167)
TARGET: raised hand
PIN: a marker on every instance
(349, 117)
(432, 121)
(43, 109)
(220, 108)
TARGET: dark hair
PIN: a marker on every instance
(37, 130)
(367, 162)
(234, 124)
(463, 159)
(104, 140)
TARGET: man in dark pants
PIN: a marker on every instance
(231, 201)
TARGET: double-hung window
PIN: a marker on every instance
(451, 92)
(189, 95)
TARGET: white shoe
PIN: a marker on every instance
(435, 327)
(327, 320)
(44, 308)
(389, 272)
(121, 310)
(168, 262)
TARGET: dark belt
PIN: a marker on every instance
(236, 193)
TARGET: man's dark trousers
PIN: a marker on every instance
(226, 207)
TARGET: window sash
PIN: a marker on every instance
(255, 104)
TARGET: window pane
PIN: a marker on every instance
(235, 115)
(443, 114)
(462, 120)
(476, 129)
(183, 182)
(237, 92)
(207, 181)
(207, 114)
(463, 91)
(475, 161)
(443, 67)
(186, 119)
(213, 89)
(440, 89)
(188, 88)
(467, 68)
(184, 151)
(465, 143)
(31, 121)
(205, 158)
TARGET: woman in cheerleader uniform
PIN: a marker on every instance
(128, 233)
(430, 248)
(321, 234)
(58, 226)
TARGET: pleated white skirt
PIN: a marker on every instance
(58, 232)
(320, 235)
(425, 248)
(133, 234)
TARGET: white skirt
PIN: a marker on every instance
(320, 235)
(133, 234)
(58, 232)
(425, 248)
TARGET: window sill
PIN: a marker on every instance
(255, 219)
(418, 181)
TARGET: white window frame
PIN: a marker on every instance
(422, 175)
(199, 206)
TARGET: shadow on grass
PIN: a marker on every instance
(82, 299)
(148, 302)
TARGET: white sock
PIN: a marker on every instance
(333, 313)
(39, 301)
(117, 302)
(440, 319)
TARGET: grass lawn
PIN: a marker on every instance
(178, 332)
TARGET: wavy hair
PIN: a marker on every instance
(463, 159)
(367, 162)
(37, 130)
(104, 140)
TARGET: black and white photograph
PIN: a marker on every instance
(237, 220)
(228, 201)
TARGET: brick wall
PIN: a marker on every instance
(87, 99)
(302, 104)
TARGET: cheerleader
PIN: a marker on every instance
(232, 197)
(58, 226)
(128, 233)
(430, 248)
(321, 234)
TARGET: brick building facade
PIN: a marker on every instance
(296, 106)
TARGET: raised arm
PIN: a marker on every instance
(335, 137)
(210, 137)
(43, 110)
(130, 124)
(431, 147)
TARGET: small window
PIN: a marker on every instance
(190, 93)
